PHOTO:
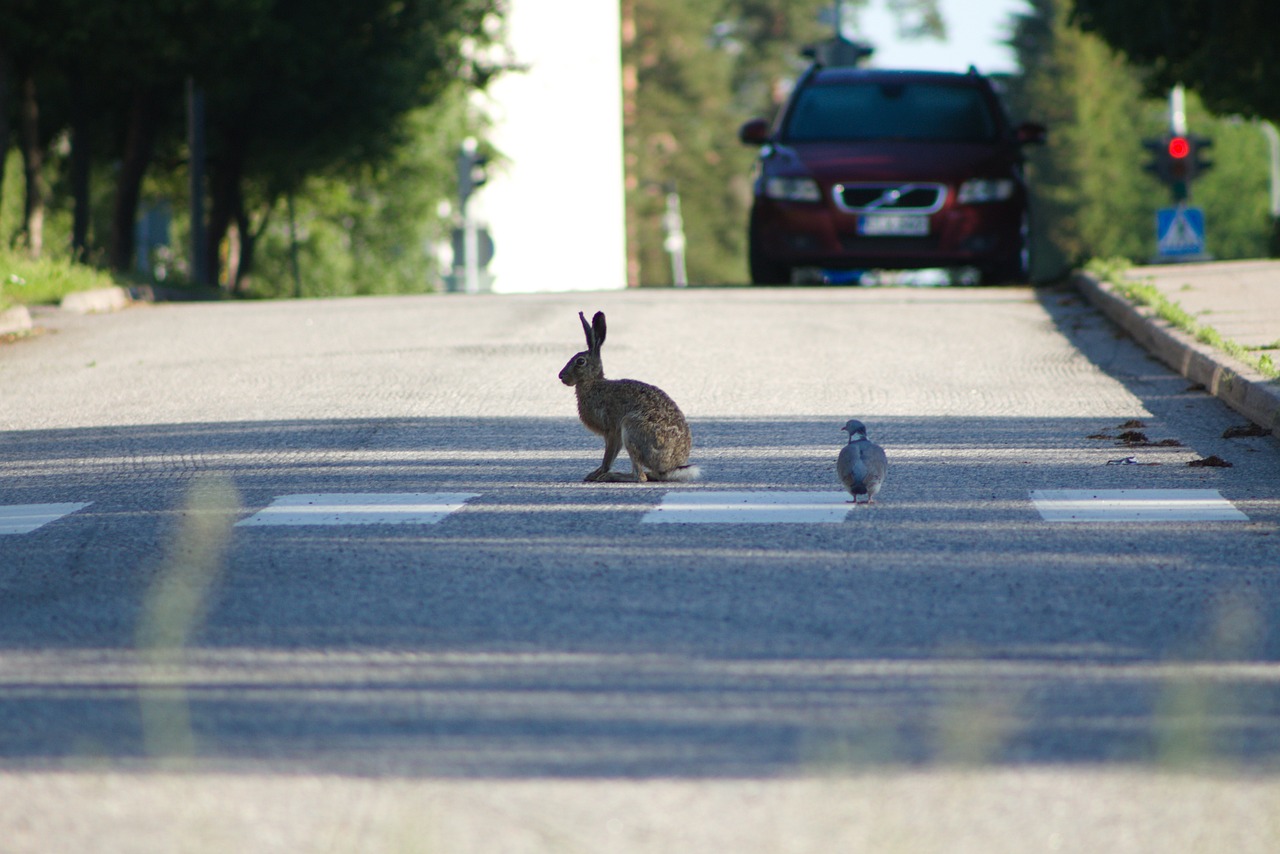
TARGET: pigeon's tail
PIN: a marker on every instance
(683, 474)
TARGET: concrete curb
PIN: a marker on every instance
(95, 301)
(14, 320)
(1237, 384)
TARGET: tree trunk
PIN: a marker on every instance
(140, 141)
(5, 79)
(33, 164)
(631, 182)
(81, 154)
(226, 203)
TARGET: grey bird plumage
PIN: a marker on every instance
(862, 463)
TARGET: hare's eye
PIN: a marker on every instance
(580, 361)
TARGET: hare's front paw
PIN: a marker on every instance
(599, 474)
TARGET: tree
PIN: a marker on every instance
(1224, 51)
(693, 70)
(374, 227)
(323, 83)
(679, 133)
(1090, 195)
(295, 89)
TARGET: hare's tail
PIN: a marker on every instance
(683, 474)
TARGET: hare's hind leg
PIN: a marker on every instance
(612, 446)
(633, 441)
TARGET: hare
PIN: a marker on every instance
(628, 414)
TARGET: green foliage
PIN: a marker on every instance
(1235, 193)
(12, 234)
(680, 134)
(1091, 197)
(1224, 51)
(1143, 292)
(34, 281)
(297, 92)
(374, 228)
(701, 68)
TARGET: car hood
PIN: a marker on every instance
(845, 162)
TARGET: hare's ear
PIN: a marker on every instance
(586, 327)
(597, 324)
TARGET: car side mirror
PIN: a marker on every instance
(754, 132)
(1031, 133)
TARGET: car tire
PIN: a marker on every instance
(1015, 268)
(764, 270)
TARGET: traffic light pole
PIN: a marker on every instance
(1178, 111)
(1181, 185)
(470, 176)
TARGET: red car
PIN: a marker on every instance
(873, 169)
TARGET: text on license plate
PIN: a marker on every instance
(897, 225)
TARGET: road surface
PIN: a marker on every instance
(1041, 635)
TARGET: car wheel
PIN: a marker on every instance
(764, 270)
(1015, 268)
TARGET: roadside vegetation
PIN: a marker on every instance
(1121, 275)
(1091, 197)
(332, 157)
(312, 120)
(28, 281)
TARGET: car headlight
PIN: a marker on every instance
(793, 189)
(979, 190)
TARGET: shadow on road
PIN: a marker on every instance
(544, 631)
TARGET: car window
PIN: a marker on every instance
(890, 111)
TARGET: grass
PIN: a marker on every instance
(1142, 292)
(44, 281)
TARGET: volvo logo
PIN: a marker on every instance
(911, 198)
(890, 197)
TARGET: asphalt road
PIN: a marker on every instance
(542, 669)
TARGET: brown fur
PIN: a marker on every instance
(629, 414)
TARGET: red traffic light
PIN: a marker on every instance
(1179, 147)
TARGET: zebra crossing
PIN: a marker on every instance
(688, 507)
(25, 518)
(374, 508)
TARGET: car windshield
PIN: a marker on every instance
(856, 112)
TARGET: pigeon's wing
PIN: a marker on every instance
(875, 464)
(844, 466)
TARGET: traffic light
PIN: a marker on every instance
(472, 171)
(1179, 165)
(1196, 146)
(1158, 165)
(1177, 160)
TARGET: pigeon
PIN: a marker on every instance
(861, 464)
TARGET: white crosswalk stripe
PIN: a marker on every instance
(382, 508)
(25, 518)
(736, 508)
(1135, 505)
(688, 507)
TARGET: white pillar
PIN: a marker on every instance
(554, 203)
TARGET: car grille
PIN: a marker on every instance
(889, 198)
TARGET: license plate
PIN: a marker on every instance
(894, 225)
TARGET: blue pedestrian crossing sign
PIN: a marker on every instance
(1179, 232)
